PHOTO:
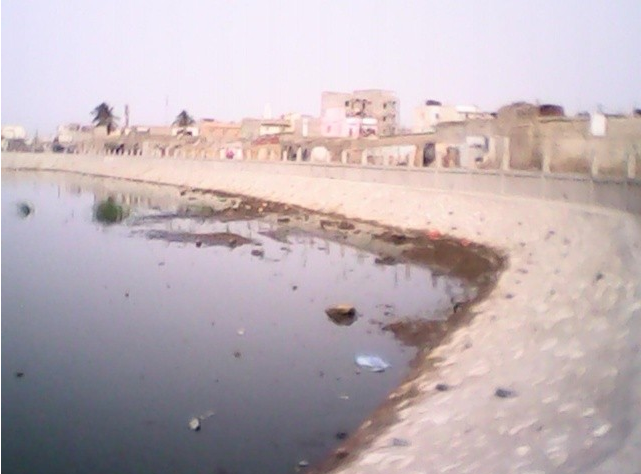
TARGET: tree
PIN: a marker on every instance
(183, 120)
(103, 116)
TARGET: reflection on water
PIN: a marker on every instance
(113, 341)
(110, 212)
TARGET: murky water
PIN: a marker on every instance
(112, 341)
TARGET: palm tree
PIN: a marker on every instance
(183, 120)
(103, 116)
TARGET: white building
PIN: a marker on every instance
(427, 116)
(14, 132)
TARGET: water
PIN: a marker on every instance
(123, 339)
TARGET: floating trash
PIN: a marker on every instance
(342, 314)
(372, 363)
(194, 424)
(25, 209)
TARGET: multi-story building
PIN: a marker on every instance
(359, 113)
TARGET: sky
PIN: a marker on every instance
(227, 59)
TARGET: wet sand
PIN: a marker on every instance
(545, 376)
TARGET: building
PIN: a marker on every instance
(252, 128)
(359, 113)
(430, 114)
(219, 131)
(14, 132)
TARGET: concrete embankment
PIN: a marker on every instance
(546, 378)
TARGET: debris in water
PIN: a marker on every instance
(237, 354)
(344, 397)
(19, 375)
(343, 314)
(303, 463)
(341, 435)
(372, 363)
(194, 424)
(207, 414)
(241, 331)
(25, 209)
(387, 260)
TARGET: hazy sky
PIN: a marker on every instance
(227, 59)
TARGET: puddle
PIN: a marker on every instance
(210, 309)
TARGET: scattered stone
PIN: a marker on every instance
(599, 276)
(505, 393)
(199, 243)
(127, 294)
(400, 442)
(522, 450)
(283, 220)
(387, 260)
(258, 253)
(294, 287)
(509, 296)
(341, 435)
(194, 424)
(341, 453)
(442, 387)
(588, 412)
(342, 314)
(237, 354)
(344, 225)
(433, 235)
(602, 430)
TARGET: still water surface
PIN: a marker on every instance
(123, 339)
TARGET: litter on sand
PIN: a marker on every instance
(372, 363)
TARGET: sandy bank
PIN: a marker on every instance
(561, 330)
